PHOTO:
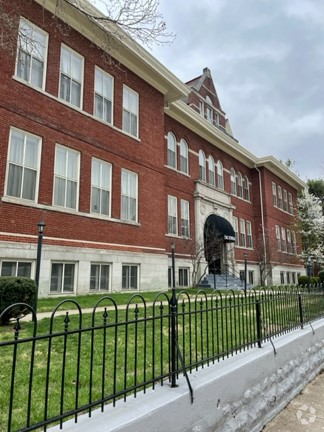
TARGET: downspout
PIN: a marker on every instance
(262, 223)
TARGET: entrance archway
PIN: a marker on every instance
(217, 233)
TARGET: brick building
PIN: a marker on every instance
(121, 159)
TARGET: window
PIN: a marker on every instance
(130, 277)
(293, 277)
(282, 278)
(202, 166)
(23, 165)
(129, 196)
(251, 277)
(201, 108)
(99, 277)
(289, 247)
(15, 268)
(220, 175)
(172, 215)
(274, 194)
(233, 182)
(183, 156)
(288, 277)
(172, 151)
(185, 226)
(66, 177)
(100, 187)
(285, 200)
(249, 241)
(239, 185)
(246, 189)
(71, 76)
(283, 240)
(130, 111)
(236, 230)
(278, 238)
(103, 95)
(291, 205)
(211, 171)
(32, 52)
(62, 277)
(242, 233)
(209, 110)
(294, 242)
(183, 277)
(279, 197)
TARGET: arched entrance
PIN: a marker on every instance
(217, 233)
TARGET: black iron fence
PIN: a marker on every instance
(56, 368)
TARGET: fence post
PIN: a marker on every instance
(173, 312)
(300, 305)
(258, 322)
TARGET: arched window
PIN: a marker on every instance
(172, 151)
(246, 189)
(239, 185)
(220, 175)
(202, 166)
(183, 156)
(211, 171)
(233, 182)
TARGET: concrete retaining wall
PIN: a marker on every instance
(241, 393)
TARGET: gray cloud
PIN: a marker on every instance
(267, 62)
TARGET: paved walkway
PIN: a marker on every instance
(305, 413)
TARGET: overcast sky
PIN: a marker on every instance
(267, 62)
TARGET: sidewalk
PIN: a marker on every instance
(305, 413)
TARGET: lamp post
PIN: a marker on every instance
(309, 261)
(41, 226)
(245, 270)
(214, 263)
(173, 312)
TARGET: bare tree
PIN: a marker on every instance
(139, 19)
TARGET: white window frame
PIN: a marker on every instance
(249, 239)
(242, 233)
(171, 150)
(185, 219)
(183, 277)
(274, 194)
(21, 162)
(63, 264)
(294, 242)
(184, 157)
(202, 166)
(66, 177)
(236, 230)
(283, 240)
(36, 50)
(97, 278)
(220, 175)
(211, 171)
(172, 215)
(129, 194)
(100, 186)
(131, 108)
(16, 264)
(289, 245)
(65, 96)
(290, 203)
(106, 85)
(278, 238)
(239, 185)
(233, 182)
(280, 197)
(246, 189)
(129, 277)
(285, 200)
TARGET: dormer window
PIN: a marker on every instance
(209, 110)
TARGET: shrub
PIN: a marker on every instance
(321, 275)
(304, 280)
(16, 290)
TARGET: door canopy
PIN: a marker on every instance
(219, 227)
